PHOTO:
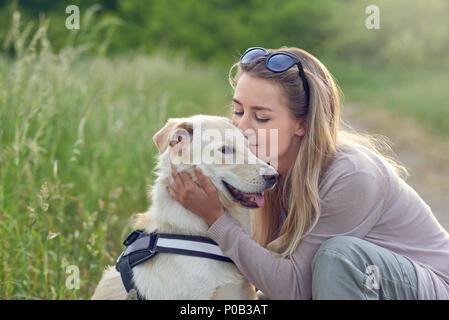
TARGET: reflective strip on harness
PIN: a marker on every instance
(189, 245)
(141, 247)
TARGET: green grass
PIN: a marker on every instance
(420, 93)
(76, 156)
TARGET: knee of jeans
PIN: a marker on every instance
(338, 244)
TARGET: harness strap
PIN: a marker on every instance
(126, 273)
(141, 247)
(196, 246)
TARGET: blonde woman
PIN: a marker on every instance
(341, 223)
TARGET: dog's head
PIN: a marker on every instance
(221, 151)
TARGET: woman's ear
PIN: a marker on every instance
(301, 127)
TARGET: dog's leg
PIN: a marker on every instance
(110, 286)
(236, 291)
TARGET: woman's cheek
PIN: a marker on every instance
(274, 145)
(262, 150)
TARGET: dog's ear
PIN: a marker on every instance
(175, 131)
(183, 133)
(161, 138)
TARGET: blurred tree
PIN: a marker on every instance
(412, 31)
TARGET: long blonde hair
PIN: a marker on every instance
(298, 194)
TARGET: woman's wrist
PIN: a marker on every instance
(213, 216)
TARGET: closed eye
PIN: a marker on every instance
(261, 119)
(239, 114)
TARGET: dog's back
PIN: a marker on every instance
(173, 276)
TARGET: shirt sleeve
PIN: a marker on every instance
(351, 206)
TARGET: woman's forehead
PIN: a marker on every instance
(257, 92)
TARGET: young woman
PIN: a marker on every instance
(341, 223)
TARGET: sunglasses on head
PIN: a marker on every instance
(276, 62)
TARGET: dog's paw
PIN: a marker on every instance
(132, 295)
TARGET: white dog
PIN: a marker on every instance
(240, 185)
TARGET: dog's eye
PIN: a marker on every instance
(227, 150)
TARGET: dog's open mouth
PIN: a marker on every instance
(250, 200)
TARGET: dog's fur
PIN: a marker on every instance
(172, 276)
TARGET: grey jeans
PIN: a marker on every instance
(347, 267)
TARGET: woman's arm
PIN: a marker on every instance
(351, 206)
(276, 277)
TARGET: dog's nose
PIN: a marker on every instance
(270, 175)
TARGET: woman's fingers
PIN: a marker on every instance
(177, 177)
(205, 181)
(174, 172)
(200, 197)
(182, 186)
(191, 186)
(171, 192)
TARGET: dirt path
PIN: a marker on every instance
(425, 155)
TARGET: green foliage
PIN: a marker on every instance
(420, 93)
(222, 30)
(412, 32)
(76, 156)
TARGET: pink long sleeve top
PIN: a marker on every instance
(361, 196)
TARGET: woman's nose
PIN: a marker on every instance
(242, 124)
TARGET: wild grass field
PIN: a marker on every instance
(76, 149)
(76, 155)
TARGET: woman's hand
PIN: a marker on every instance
(200, 199)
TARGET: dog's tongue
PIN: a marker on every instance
(259, 199)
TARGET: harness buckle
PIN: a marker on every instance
(132, 237)
(153, 240)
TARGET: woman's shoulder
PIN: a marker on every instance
(354, 178)
(353, 159)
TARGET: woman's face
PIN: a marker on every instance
(260, 107)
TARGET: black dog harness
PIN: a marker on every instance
(141, 247)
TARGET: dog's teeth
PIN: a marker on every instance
(252, 199)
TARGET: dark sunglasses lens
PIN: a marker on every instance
(280, 63)
(252, 55)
